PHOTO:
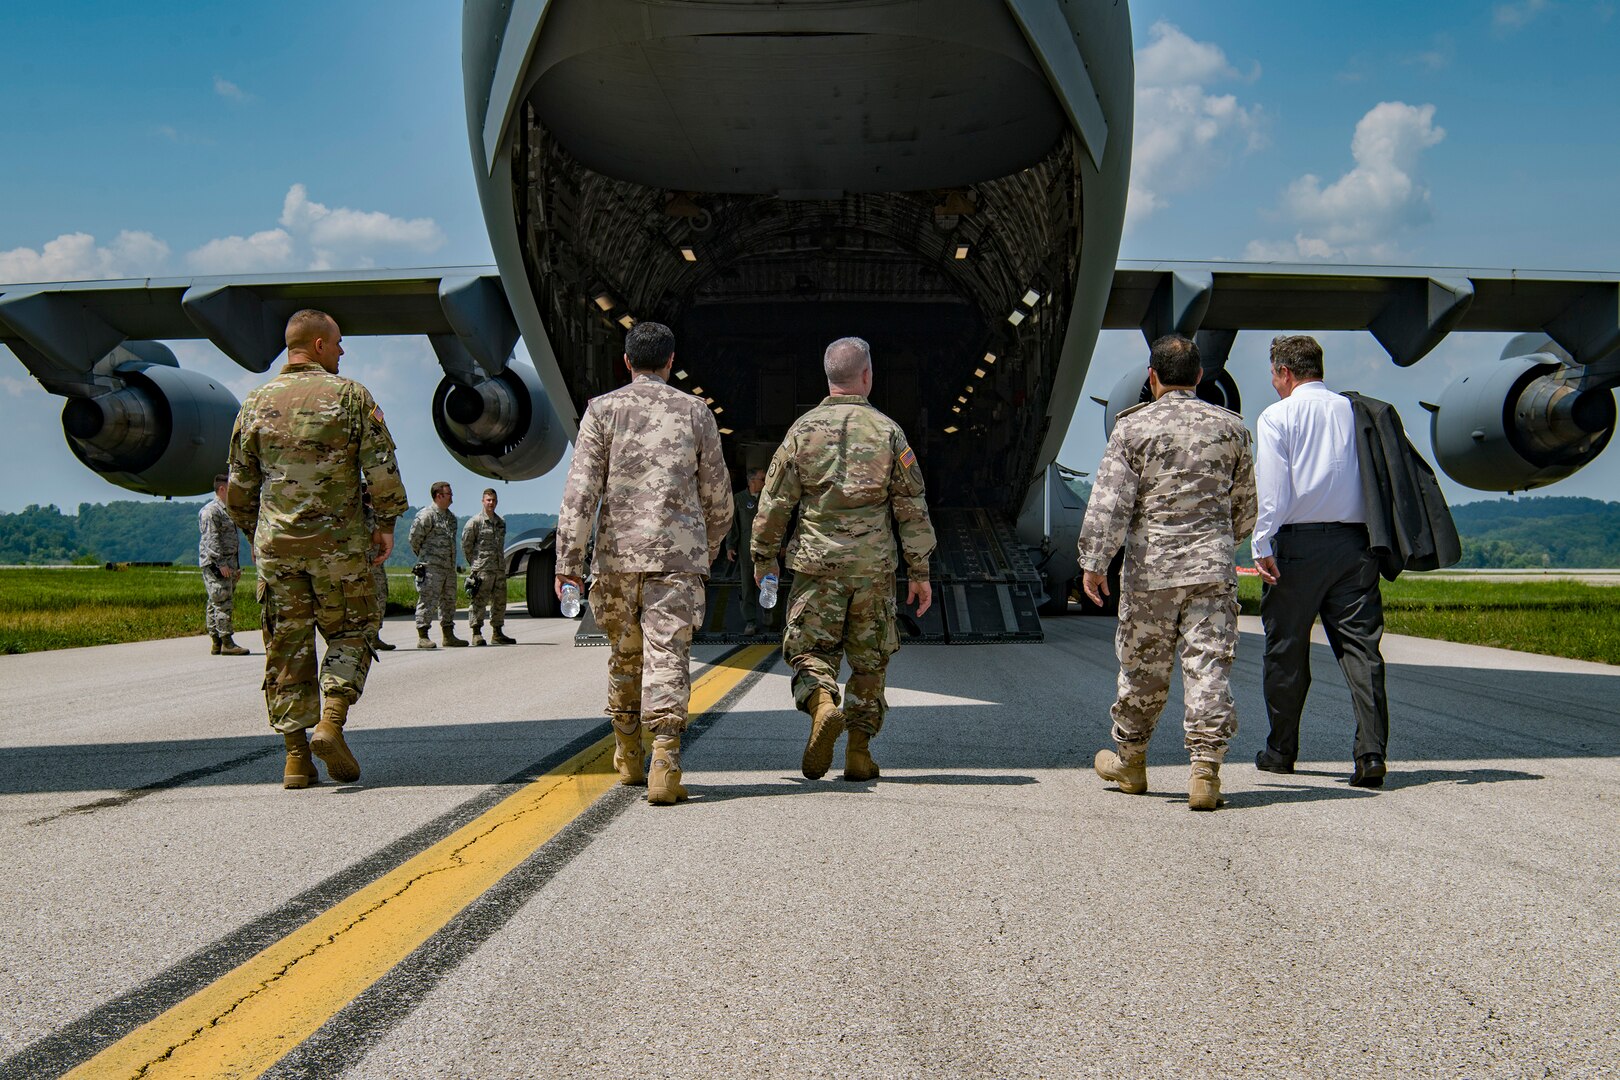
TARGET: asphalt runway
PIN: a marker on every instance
(987, 908)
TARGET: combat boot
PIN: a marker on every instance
(229, 647)
(1204, 786)
(329, 746)
(1132, 778)
(498, 636)
(858, 763)
(629, 756)
(378, 644)
(826, 724)
(476, 635)
(300, 771)
(447, 633)
(214, 651)
(422, 640)
(664, 778)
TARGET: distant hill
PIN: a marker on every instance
(1548, 530)
(163, 532)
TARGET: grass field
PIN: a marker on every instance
(64, 608)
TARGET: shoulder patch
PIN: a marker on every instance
(376, 413)
(1123, 413)
(907, 458)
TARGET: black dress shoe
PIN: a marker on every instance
(1369, 771)
(1266, 761)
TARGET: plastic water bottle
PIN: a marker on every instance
(570, 600)
(767, 591)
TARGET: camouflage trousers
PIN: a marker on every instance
(334, 595)
(648, 620)
(436, 598)
(831, 619)
(490, 601)
(1199, 622)
(221, 601)
(379, 582)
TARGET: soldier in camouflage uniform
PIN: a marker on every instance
(219, 556)
(648, 467)
(854, 477)
(379, 573)
(301, 446)
(483, 541)
(433, 540)
(1176, 487)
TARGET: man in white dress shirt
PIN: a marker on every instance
(1310, 546)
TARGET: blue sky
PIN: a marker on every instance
(173, 138)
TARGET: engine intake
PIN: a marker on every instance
(502, 427)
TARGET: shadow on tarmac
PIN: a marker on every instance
(706, 792)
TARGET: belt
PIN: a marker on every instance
(1322, 526)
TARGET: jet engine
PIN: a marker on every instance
(1522, 423)
(502, 427)
(159, 429)
(1132, 389)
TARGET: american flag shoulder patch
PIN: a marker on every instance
(376, 413)
(907, 458)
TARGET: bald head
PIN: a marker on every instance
(314, 335)
(848, 361)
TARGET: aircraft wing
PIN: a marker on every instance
(1408, 309)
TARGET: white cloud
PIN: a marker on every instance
(1183, 132)
(77, 256)
(1513, 16)
(15, 387)
(227, 89)
(1364, 213)
(262, 252)
(350, 238)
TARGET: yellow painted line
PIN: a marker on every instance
(251, 1017)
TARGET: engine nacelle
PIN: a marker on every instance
(162, 431)
(1132, 389)
(1518, 425)
(503, 427)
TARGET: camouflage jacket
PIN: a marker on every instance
(853, 476)
(217, 544)
(433, 536)
(1176, 486)
(483, 541)
(301, 444)
(647, 465)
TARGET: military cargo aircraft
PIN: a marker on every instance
(946, 178)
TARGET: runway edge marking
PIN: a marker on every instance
(250, 1018)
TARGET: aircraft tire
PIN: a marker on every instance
(539, 585)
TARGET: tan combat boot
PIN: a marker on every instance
(476, 635)
(1132, 778)
(422, 640)
(214, 650)
(858, 763)
(447, 631)
(229, 647)
(664, 778)
(826, 724)
(498, 637)
(328, 744)
(300, 771)
(629, 756)
(1204, 786)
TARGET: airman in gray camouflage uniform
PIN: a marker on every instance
(483, 541)
(301, 445)
(433, 541)
(1176, 487)
(219, 556)
(854, 477)
(648, 467)
(379, 574)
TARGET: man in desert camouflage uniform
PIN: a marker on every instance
(433, 541)
(1176, 487)
(301, 446)
(647, 465)
(854, 477)
(483, 541)
(219, 556)
(379, 573)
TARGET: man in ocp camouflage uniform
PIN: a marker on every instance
(483, 541)
(379, 573)
(1176, 487)
(218, 553)
(854, 477)
(433, 541)
(648, 468)
(302, 443)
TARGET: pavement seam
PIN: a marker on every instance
(129, 795)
